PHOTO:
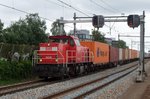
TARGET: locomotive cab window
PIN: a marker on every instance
(72, 42)
(77, 42)
(56, 40)
(59, 40)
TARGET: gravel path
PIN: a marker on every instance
(137, 90)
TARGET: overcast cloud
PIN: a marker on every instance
(53, 9)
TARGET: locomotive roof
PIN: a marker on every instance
(63, 36)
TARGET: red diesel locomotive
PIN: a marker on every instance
(62, 55)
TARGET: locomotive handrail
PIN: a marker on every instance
(70, 58)
(90, 56)
(62, 56)
(82, 58)
(36, 57)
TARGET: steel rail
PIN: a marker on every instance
(57, 94)
(20, 86)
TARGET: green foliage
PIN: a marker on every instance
(1, 26)
(30, 30)
(119, 44)
(4, 69)
(56, 28)
(11, 81)
(15, 70)
(1, 31)
(122, 44)
(98, 36)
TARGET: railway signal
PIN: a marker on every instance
(133, 21)
(98, 21)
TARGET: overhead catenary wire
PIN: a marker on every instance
(13, 8)
(73, 7)
(116, 10)
(110, 27)
(107, 4)
(97, 4)
(56, 3)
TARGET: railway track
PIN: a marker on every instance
(21, 86)
(34, 84)
(4, 90)
(84, 89)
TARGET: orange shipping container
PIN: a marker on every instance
(100, 51)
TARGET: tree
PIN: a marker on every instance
(98, 36)
(16, 33)
(30, 30)
(37, 28)
(1, 31)
(119, 44)
(56, 28)
(122, 44)
(1, 26)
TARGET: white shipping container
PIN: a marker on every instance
(126, 54)
(130, 53)
(120, 54)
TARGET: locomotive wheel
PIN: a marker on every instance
(63, 72)
(85, 69)
(78, 71)
(45, 78)
(72, 70)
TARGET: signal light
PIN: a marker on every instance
(95, 21)
(98, 21)
(133, 21)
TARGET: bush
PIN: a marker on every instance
(15, 70)
(4, 69)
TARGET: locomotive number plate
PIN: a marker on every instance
(48, 57)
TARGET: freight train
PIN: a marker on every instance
(67, 56)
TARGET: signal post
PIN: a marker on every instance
(133, 21)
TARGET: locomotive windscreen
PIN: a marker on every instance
(58, 40)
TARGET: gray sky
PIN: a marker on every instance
(53, 9)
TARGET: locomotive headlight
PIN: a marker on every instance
(56, 58)
(40, 60)
(48, 44)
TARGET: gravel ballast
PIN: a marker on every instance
(53, 88)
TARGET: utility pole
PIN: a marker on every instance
(141, 71)
(61, 27)
(118, 37)
(142, 34)
(74, 24)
